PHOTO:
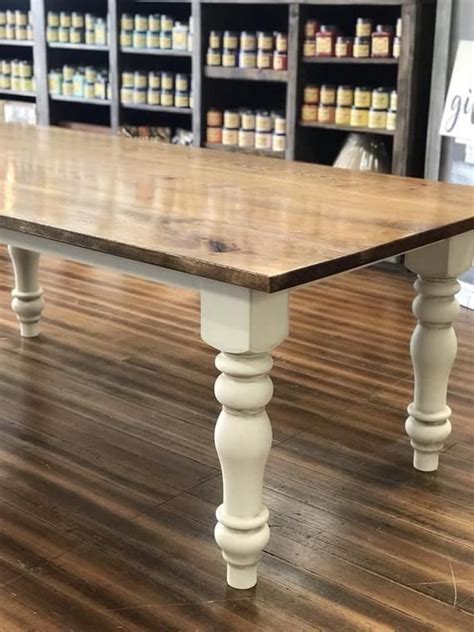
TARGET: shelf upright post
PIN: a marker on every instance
(40, 62)
(114, 64)
(292, 87)
(197, 69)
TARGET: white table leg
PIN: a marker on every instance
(245, 326)
(433, 344)
(27, 300)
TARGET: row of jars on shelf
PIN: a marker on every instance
(247, 49)
(247, 128)
(16, 25)
(77, 28)
(16, 74)
(324, 40)
(156, 88)
(360, 107)
(155, 31)
(88, 82)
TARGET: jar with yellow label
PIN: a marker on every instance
(67, 89)
(214, 135)
(231, 40)
(90, 74)
(215, 39)
(359, 117)
(265, 40)
(326, 113)
(140, 79)
(10, 32)
(139, 96)
(364, 27)
(25, 69)
(167, 23)
(263, 140)
(213, 57)
(10, 17)
(214, 118)
(16, 83)
(393, 100)
(311, 27)
(140, 22)
(167, 80)
(100, 88)
(377, 119)
(279, 142)
(78, 84)
(279, 123)
(90, 37)
(166, 40)
(154, 80)
(246, 138)
(7, 83)
(263, 121)
(309, 47)
(89, 90)
(309, 113)
(26, 85)
(68, 72)
(21, 18)
(20, 33)
(247, 59)
(326, 41)
(382, 39)
(264, 59)
(3, 31)
(280, 61)
(231, 119)
(52, 19)
(139, 39)
(391, 120)
(77, 20)
(396, 47)
(167, 98)
(126, 22)
(180, 36)
(153, 39)
(54, 81)
(230, 137)
(126, 38)
(76, 35)
(6, 67)
(345, 95)
(126, 95)
(181, 99)
(89, 22)
(327, 95)
(248, 41)
(380, 99)
(398, 27)
(362, 97)
(343, 115)
(361, 47)
(311, 94)
(229, 58)
(344, 46)
(182, 82)
(281, 42)
(63, 35)
(65, 19)
(247, 120)
(154, 22)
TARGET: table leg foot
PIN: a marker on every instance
(245, 325)
(433, 344)
(27, 301)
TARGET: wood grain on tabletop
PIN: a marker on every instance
(258, 223)
(109, 478)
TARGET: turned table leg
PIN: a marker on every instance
(433, 343)
(27, 296)
(245, 326)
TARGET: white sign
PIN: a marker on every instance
(458, 115)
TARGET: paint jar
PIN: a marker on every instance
(140, 22)
(382, 41)
(361, 47)
(167, 98)
(396, 47)
(362, 97)
(345, 96)
(181, 99)
(264, 59)
(265, 40)
(364, 27)
(167, 80)
(281, 42)
(359, 117)
(126, 22)
(214, 135)
(248, 41)
(166, 40)
(153, 39)
(309, 113)
(326, 41)
(246, 138)
(393, 100)
(263, 140)
(214, 118)
(278, 142)
(215, 39)
(391, 120)
(311, 27)
(344, 46)
(247, 59)
(126, 38)
(231, 119)
(280, 61)
(213, 57)
(309, 47)
(231, 40)
(182, 82)
(247, 120)
(343, 115)
(263, 121)
(380, 99)
(230, 137)
(139, 39)
(326, 113)
(327, 95)
(154, 80)
(229, 58)
(180, 36)
(377, 119)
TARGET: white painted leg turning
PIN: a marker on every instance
(27, 300)
(244, 325)
(433, 344)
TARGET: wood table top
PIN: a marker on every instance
(256, 222)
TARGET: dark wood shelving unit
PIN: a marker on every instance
(162, 52)
(18, 93)
(61, 97)
(410, 74)
(245, 74)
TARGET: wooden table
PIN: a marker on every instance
(243, 232)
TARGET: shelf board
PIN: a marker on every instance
(389, 61)
(246, 150)
(98, 47)
(156, 51)
(156, 108)
(246, 74)
(347, 128)
(7, 42)
(17, 93)
(60, 97)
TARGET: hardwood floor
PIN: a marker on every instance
(109, 479)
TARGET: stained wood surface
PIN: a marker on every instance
(244, 220)
(109, 479)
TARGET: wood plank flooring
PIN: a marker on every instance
(109, 479)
